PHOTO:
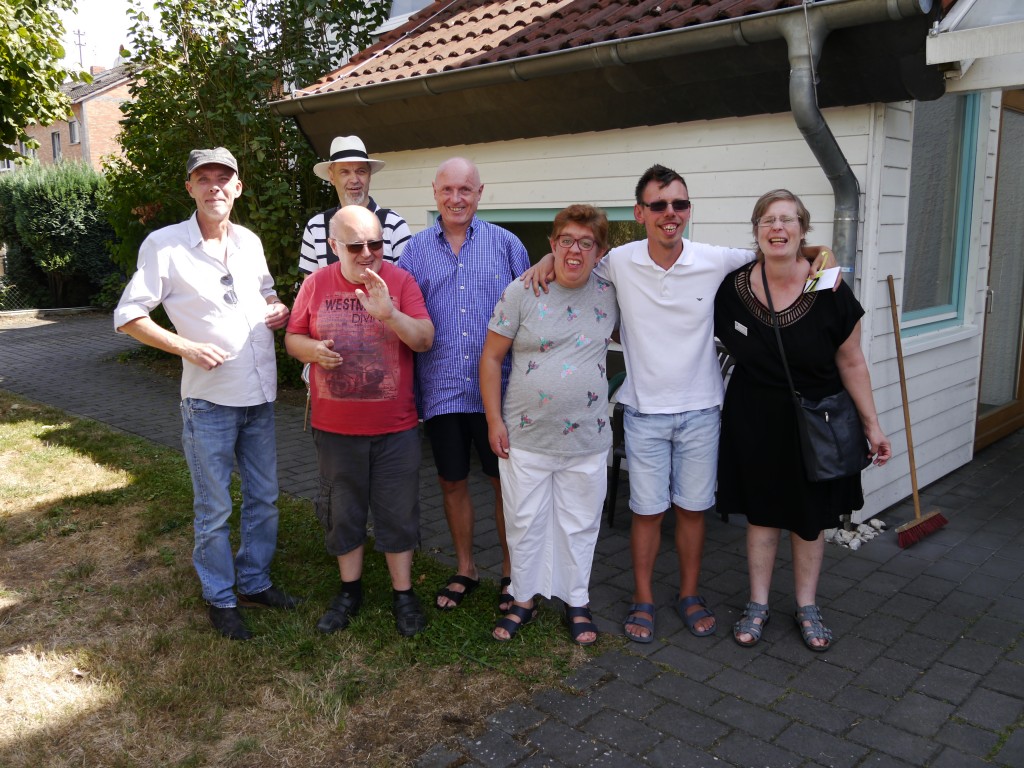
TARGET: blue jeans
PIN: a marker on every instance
(214, 437)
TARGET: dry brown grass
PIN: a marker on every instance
(106, 658)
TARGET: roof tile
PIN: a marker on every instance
(469, 33)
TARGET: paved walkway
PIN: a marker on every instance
(928, 668)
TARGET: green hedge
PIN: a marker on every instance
(54, 222)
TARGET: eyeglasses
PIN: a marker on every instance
(585, 243)
(229, 281)
(769, 221)
(660, 206)
(356, 248)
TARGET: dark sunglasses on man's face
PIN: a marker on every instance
(660, 206)
(356, 248)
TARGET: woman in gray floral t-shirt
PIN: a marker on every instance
(551, 435)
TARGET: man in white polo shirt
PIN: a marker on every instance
(211, 278)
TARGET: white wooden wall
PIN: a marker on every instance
(728, 164)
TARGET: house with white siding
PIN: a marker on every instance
(900, 123)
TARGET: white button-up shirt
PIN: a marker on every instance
(196, 289)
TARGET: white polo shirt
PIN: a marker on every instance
(174, 270)
(666, 324)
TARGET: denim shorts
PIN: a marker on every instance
(672, 458)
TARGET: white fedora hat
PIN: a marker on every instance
(346, 149)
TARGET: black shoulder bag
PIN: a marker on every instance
(831, 436)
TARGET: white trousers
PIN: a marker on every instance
(553, 509)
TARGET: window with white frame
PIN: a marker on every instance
(73, 132)
(940, 211)
(55, 141)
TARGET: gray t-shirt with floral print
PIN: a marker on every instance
(557, 397)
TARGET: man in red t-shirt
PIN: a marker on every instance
(359, 323)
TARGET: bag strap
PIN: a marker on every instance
(778, 336)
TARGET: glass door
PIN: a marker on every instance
(1001, 396)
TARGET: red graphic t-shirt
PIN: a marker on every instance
(371, 392)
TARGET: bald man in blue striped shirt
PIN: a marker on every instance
(462, 264)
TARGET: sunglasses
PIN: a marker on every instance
(660, 206)
(230, 297)
(356, 248)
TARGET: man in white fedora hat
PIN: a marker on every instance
(349, 169)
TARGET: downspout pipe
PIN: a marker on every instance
(805, 35)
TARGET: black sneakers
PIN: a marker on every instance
(228, 621)
(270, 598)
(343, 607)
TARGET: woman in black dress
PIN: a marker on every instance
(760, 470)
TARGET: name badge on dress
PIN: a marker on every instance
(740, 327)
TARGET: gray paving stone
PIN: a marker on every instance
(968, 738)
(991, 709)
(687, 725)
(625, 734)
(773, 670)
(672, 753)
(825, 716)
(693, 665)
(1011, 754)
(888, 677)
(744, 687)
(866, 703)
(630, 700)
(947, 683)
(756, 720)
(567, 745)
(439, 756)
(971, 655)
(1006, 677)
(744, 751)
(859, 655)
(916, 649)
(993, 631)
(494, 748)
(821, 747)
(894, 742)
(631, 669)
(930, 588)
(689, 693)
(569, 709)
(822, 679)
(919, 714)
(951, 758)
(516, 719)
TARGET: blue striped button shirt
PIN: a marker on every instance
(460, 292)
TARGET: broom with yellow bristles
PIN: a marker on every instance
(912, 532)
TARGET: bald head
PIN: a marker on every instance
(457, 193)
(354, 229)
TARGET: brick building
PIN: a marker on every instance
(91, 133)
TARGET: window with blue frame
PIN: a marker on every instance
(940, 211)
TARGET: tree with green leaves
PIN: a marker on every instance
(206, 72)
(31, 72)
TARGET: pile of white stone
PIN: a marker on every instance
(859, 533)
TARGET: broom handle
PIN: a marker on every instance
(903, 392)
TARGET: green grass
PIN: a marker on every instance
(97, 575)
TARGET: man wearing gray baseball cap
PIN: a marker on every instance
(211, 278)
